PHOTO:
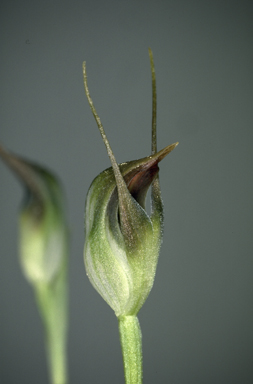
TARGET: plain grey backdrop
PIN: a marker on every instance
(197, 323)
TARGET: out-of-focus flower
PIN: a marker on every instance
(42, 225)
(43, 251)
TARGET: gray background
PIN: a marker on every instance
(197, 322)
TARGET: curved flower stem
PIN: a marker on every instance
(52, 300)
(130, 338)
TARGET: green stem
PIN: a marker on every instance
(52, 300)
(130, 338)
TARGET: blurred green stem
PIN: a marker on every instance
(53, 301)
(130, 338)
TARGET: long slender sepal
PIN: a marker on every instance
(154, 104)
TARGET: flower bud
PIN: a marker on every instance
(42, 228)
(43, 255)
(122, 241)
(122, 244)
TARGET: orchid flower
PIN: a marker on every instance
(43, 251)
(122, 242)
